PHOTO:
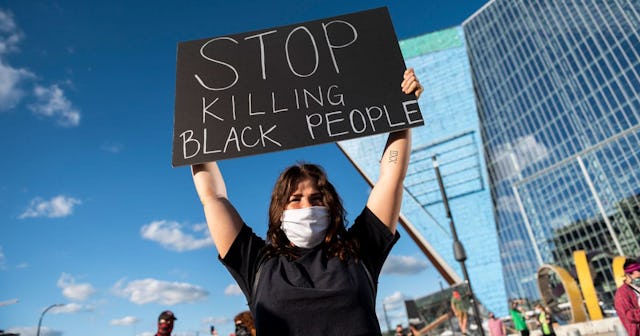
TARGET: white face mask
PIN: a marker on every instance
(305, 227)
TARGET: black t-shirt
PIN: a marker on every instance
(312, 295)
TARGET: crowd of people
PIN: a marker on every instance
(520, 323)
(627, 305)
(243, 322)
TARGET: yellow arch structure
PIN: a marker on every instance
(618, 270)
(572, 290)
(586, 284)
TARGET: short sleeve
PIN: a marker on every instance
(375, 239)
(243, 258)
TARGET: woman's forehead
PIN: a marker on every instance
(305, 184)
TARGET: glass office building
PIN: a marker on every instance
(558, 91)
(532, 110)
(452, 134)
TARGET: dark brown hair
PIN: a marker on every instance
(336, 242)
(247, 320)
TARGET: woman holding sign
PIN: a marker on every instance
(311, 276)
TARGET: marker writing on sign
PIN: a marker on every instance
(239, 138)
(246, 137)
(208, 49)
(360, 120)
(331, 124)
(230, 107)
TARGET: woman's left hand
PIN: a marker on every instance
(411, 84)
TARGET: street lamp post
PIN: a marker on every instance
(458, 248)
(42, 315)
(386, 319)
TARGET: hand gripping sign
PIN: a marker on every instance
(299, 85)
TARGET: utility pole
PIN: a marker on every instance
(386, 318)
(458, 248)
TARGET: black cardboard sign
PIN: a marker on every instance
(304, 84)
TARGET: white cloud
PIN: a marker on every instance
(125, 321)
(73, 291)
(10, 35)
(33, 331)
(403, 265)
(52, 102)
(10, 78)
(215, 320)
(508, 204)
(170, 235)
(70, 308)
(233, 289)
(146, 333)
(512, 158)
(156, 291)
(59, 206)
(49, 101)
(10, 85)
(394, 301)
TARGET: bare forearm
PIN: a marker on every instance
(395, 158)
(386, 196)
(208, 181)
(223, 220)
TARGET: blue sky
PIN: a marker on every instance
(92, 213)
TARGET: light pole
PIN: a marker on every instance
(42, 315)
(386, 319)
(458, 249)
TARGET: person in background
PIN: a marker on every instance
(214, 332)
(244, 324)
(460, 308)
(496, 327)
(517, 316)
(165, 323)
(311, 275)
(399, 330)
(627, 298)
(544, 320)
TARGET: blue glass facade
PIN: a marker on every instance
(452, 133)
(558, 92)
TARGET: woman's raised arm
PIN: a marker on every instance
(386, 197)
(222, 218)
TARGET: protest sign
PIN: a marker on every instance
(298, 85)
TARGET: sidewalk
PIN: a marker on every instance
(606, 327)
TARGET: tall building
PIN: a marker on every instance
(558, 91)
(452, 134)
(532, 109)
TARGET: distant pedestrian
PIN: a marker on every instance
(517, 316)
(544, 320)
(496, 327)
(399, 330)
(460, 307)
(244, 324)
(165, 323)
(627, 297)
